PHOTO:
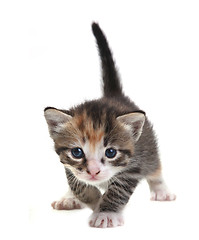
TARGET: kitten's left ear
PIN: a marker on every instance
(135, 120)
(56, 120)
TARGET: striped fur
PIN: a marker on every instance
(111, 122)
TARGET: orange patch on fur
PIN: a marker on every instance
(86, 127)
(156, 174)
(80, 121)
(93, 135)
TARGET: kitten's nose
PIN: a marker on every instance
(92, 168)
(93, 173)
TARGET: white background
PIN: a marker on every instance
(48, 57)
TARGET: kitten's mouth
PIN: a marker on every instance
(93, 178)
(97, 180)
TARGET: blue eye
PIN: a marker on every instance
(110, 152)
(77, 152)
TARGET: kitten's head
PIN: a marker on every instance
(94, 142)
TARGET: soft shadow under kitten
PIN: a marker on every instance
(106, 143)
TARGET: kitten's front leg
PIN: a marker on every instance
(109, 211)
(158, 188)
(86, 194)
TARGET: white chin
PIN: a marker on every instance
(104, 178)
(94, 182)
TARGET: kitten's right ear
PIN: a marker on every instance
(135, 120)
(56, 120)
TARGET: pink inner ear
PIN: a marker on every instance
(53, 123)
(136, 126)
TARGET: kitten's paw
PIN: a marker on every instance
(162, 195)
(67, 204)
(106, 219)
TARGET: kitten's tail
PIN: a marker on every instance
(111, 81)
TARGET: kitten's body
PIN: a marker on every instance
(106, 143)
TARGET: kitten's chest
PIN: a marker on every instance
(103, 187)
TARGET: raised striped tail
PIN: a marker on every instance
(111, 81)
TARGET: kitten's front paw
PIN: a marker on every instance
(106, 219)
(162, 195)
(67, 204)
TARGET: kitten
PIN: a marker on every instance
(106, 143)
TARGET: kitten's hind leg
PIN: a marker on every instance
(68, 202)
(158, 188)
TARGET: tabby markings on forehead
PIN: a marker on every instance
(87, 131)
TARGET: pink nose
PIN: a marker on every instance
(93, 173)
(92, 168)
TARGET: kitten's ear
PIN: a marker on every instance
(135, 120)
(55, 120)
